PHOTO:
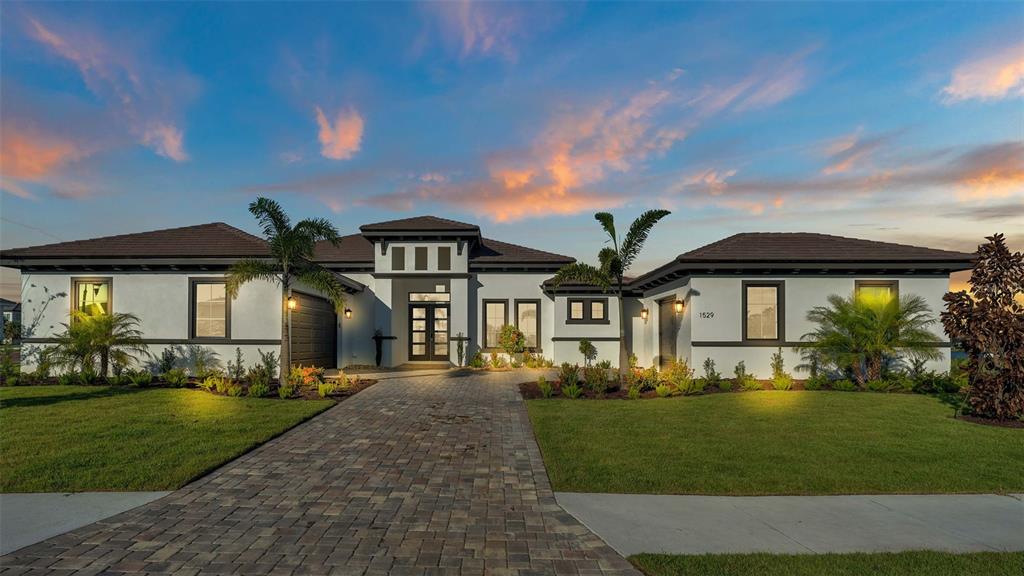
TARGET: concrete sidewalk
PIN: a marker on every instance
(29, 518)
(634, 523)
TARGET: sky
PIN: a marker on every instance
(900, 122)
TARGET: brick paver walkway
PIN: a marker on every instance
(421, 475)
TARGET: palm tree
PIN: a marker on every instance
(615, 261)
(291, 261)
(106, 337)
(860, 333)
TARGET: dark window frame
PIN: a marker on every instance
(395, 259)
(192, 283)
(515, 312)
(416, 253)
(587, 311)
(444, 264)
(108, 280)
(483, 327)
(780, 309)
(894, 284)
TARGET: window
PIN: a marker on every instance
(421, 257)
(211, 310)
(495, 316)
(876, 291)
(587, 311)
(397, 258)
(92, 296)
(444, 258)
(528, 322)
(761, 303)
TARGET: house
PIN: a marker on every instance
(421, 286)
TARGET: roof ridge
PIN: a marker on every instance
(125, 235)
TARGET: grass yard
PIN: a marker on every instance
(75, 438)
(757, 443)
(891, 564)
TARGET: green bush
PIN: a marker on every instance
(286, 390)
(209, 383)
(633, 393)
(782, 382)
(259, 390)
(236, 369)
(233, 389)
(604, 364)
(325, 389)
(844, 386)
(536, 361)
(497, 361)
(725, 385)
(116, 380)
(68, 379)
(88, 377)
(569, 373)
(648, 378)
(901, 383)
(588, 351)
(678, 375)
(175, 377)
(711, 376)
(878, 385)
(663, 390)
(932, 382)
(816, 382)
(751, 384)
(140, 378)
(546, 389)
(477, 361)
(596, 379)
(511, 340)
(572, 390)
(745, 380)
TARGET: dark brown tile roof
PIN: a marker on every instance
(216, 240)
(808, 247)
(495, 252)
(354, 248)
(420, 224)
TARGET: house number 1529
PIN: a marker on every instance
(707, 315)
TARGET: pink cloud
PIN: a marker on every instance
(991, 77)
(165, 140)
(342, 139)
(852, 151)
(28, 155)
(479, 28)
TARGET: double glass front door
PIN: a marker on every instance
(428, 331)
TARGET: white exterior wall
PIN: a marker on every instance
(648, 352)
(598, 334)
(382, 262)
(510, 287)
(355, 334)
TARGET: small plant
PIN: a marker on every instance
(286, 390)
(569, 373)
(140, 378)
(546, 389)
(878, 385)
(233, 389)
(745, 380)
(68, 379)
(604, 364)
(633, 361)
(844, 386)
(511, 340)
(311, 376)
(572, 391)
(497, 361)
(236, 369)
(725, 385)
(222, 384)
(648, 378)
(477, 361)
(781, 380)
(816, 382)
(711, 376)
(117, 380)
(167, 360)
(9, 369)
(679, 376)
(88, 377)
(325, 389)
(259, 390)
(588, 351)
(633, 393)
(596, 379)
(268, 362)
(209, 383)
(175, 377)
(663, 390)
(460, 348)
(536, 361)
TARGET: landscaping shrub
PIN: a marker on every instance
(233, 389)
(140, 378)
(633, 393)
(663, 390)
(497, 361)
(588, 351)
(781, 380)
(68, 379)
(236, 369)
(596, 379)
(725, 385)
(604, 364)
(569, 373)
(844, 385)
(878, 385)
(222, 384)
(572, 390)
(286, 390)
(175, 377)
(648, 378)
(117, 380)
(325, 389)
(311, 376)
(816, 382)
(259, 390)
(477, 361)
(745, 380)
(633, 361)
(511, 340)
(536, 361)
(88, 377)
(167, 360)
(259, 377)
(932, 382)
(678, 375)
(546, 390)
(711, 376)
(268, 363)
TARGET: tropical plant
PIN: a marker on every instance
(844, 385)
(259, 389)
(88, 376)
(233, 389)
(68, 379)
(460, 348)
(311, 376)
(663, 390)
(572, 391)
(679, 375)
(497, 361)
(285, 390)
(175, 377)
(325, 389)
(858, 333)
(236, 369)
(545, 387)
(604, 364)
(511, 340)
(167, 360)
(725, 385)
(569, 373)
(781, 380)
(633, 392)
(140, 378)
(879, 385)
(816, 382)
(290, 261)
(744, 379)
(477, 361)
(613, 263)
(104, 338)
(589, 352)
(210, 383)
(989, 326)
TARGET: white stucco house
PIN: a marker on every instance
(422, 284)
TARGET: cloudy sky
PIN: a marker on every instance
(901, 122)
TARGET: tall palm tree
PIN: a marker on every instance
(614, 261)
(291, 261)
(859, 333)
(106, 337)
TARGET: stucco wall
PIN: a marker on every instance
(382, 262)
(510, 287)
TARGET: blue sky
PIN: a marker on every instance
(901, 122)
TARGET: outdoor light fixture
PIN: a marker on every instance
(679, 306)
(643, 314)
(292, 303)
(348, 312)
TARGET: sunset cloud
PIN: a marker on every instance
(991, 77)
(145, 97)
(28, 155)
(479, 29)
(851, 151)
(342, 139)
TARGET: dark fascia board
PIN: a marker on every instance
(496, 267)
(421, 235)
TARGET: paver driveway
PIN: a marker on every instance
(416, 475)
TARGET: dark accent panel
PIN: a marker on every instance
(444, 257)
(314, 331)
(420, 257)
(780, 310)
(398, 257)
(591, 338)
(192, 283)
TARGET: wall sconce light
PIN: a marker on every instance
(679, 306)
(643, 314)
(348, 312)
(292, 303)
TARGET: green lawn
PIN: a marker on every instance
(774, 443)
(893, 564)
(75, 438)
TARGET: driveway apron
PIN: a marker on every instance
(434, 474)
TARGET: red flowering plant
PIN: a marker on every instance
(311, 376)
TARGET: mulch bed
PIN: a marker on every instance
(991, 422)
(310, 392)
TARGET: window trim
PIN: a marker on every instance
(395, 251)
(108, 280)
(894, 284)
(587, 310)
(447, 250)
(483, 327)
(515, 311)
(192, 283)
(416, 252)
(780, 309)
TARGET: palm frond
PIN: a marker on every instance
(317, 229)
(581, 273)
(324, 281)
(637, 235)
(608, 223)
(271, 216)
(610, 264)
(247, 270)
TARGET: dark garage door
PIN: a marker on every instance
(314, 332)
